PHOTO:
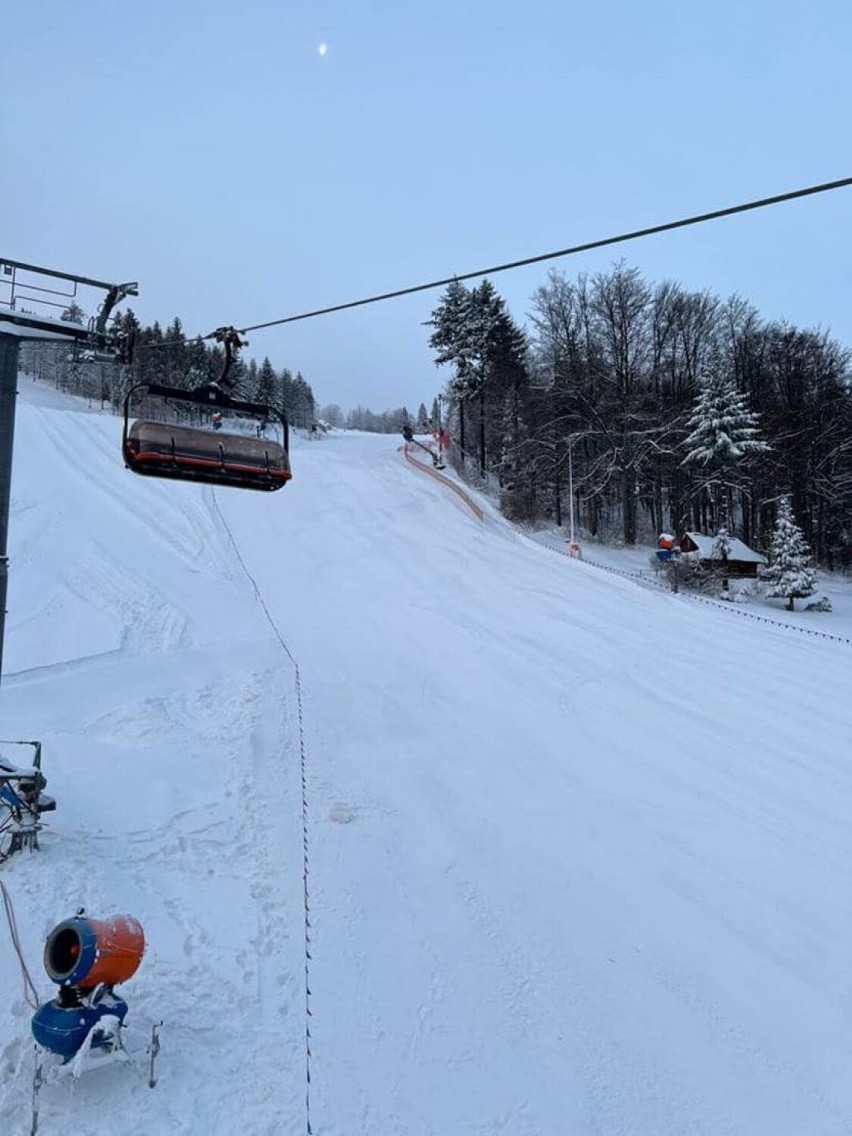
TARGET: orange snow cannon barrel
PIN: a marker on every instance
(83, 952)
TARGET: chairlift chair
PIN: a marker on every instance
(216, 453)
(229, 448)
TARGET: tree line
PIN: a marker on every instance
(664, 408)
(388, 422)
(164, 355)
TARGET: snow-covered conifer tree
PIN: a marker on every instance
(451, 341)
(723, 428)
(267, 383)
(721, 551)
(723, 433)
(722, 545)
(789, 571)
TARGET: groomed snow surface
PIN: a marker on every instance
(580, 850)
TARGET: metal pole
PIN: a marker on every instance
(571, 490)
(9, 346)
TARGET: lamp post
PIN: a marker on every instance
(571, 491)
(572, 546)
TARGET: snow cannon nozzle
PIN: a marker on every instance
(84, 952)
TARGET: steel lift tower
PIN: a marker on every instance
(32, 302)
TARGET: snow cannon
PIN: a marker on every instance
(86, 958)
(84, 953)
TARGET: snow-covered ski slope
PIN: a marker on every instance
(580, 852)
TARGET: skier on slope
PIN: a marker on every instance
(408, 434)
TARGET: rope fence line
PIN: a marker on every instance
(718, 605)
(448, 481)
(303, 769)
(765, 619)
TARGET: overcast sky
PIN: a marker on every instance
(218, 155)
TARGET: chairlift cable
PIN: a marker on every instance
(572, 250)
(621, 238)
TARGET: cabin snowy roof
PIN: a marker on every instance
(738, 550)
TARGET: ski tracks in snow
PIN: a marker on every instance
(575, 862)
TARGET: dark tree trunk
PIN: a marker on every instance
(628, 504)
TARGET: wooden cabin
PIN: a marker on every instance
(742, 562)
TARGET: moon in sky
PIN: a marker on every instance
(323, 49)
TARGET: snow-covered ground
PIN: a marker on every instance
(580, 852)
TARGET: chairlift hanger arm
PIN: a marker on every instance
(232, 341)
(115, 294)
(209, 394)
